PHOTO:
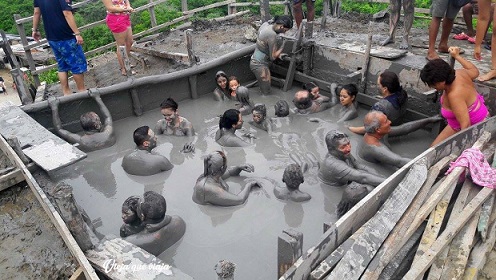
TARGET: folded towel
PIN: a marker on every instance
(481, 172)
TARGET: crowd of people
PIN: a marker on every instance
(461, 106)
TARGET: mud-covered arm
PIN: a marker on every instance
(107, 117)
(218, 196)
(275, 51)
(468, 66)
(159, 127)
(363, 177)
(385, 155)
(236, 170)
(187, 127)
(166, 164)
(218, 94)
(413, 125)
(57, 123)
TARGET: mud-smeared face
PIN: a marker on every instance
(385, 127)
(344, 147)
(169, 115)
(152, 141)
(239, 124)
(345, 98)
(258, 117)
(222, 82)
(233, 85)
(315, 92)
(128, 215)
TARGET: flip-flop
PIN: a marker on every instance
(461, 36)
(471, 40)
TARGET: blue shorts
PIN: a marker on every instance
(69, 56)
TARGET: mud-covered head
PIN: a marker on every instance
(221, 80)
(145, 138)
(437, 73)
(168, 108)
(293, 176)
(234, 83)
(313, 89)
(214, 164)
(152, 207)
(130, 210)
(281, 108)
(243, 95)
(302, 100)
(259, 113)
(352, 194)
(282, 23)
(231, 119)
(338, 144)
(347, 94)
(376, 123)
(90, 122)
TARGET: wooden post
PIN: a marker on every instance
(193, 86)
(308, 29)
(189, 47)
(365, 69)
(264, 10)
(29, 56)
(151, 10)
(137, 108)
(184, 5)
(288, 82)
(231, 9)
(289, 249)
(16, 146)
(325, 13)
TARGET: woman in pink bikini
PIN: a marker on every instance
(119, 22)
(461, 104)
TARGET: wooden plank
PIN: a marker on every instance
(480, 252)
(160, 26)
(289, 249)
(52, 213)
(246, 4)
(214, 5)
(292, 64)
(44, 144)
(10, 179)
(486, 211)
(78, 274)
(119, 259)
(454, 226)
(385, 255)
(175, 56)
(364, 248)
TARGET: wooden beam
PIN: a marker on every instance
(175, 56)
(288, 82)
(214, 5)
(486, 211)
(289, 249)
(52, 213)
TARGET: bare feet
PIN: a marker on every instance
(431, 55)
(443, 49)
(405, 44)
(488, 76)
(389, 40)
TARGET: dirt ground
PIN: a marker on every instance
(210, 40)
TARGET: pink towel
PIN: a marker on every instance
(481, 172)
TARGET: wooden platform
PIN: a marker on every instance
(43, 147)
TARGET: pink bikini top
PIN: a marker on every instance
(475, 116)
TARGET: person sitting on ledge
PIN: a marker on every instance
(281, 108)
(229, 122)
(339, 167)
(377, 126)
(173, 124)
(96, 136)
(306, 105)
(293, 178)
(210, 187)
(142, 161)
(259, 115)
(147, 226)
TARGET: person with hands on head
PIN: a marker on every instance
(64, 38)
(461, 104)
(210, 188)
(96, 136)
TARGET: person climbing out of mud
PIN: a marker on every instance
(147, 225)
(173, 123)
(96, 136)
(394, 19)
(210, 188)
(222, 90)
(143, 161)
(292, 178)
(267, 50)
(229, 122)
(339, 167)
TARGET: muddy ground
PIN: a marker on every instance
(30, 247)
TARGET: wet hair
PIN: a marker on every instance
(281, 108)
(285, 20)
(233, 78)
(303, 103)
(229, 118)
(243, 95)
(131, 203)
(351, 89)
(211, 165)
(90, 121)
(169, 103)
(435, 71)
(152, 206)
(260, 107)
(291, 173)
(220, 74)
(352, 194)
(371, 121)
(309, 86)
(390, 80)
(333, 137)
(140, 135)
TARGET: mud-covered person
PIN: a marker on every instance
(244, 104)
(147, 225)
(347, 99)
(95, 135)
(173, 123)
(210, 188)
(267, 50)
(142, 161)
(281, 109)
(229, 122)
(292, 178)
(64, 38)
(221, 90)
(305, 104)
(259, 118)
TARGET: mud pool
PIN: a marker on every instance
(246, 234)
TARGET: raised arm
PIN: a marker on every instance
(68, 136)
(107, 122)
(235, 170)
(468, 66)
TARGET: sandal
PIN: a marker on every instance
(461, 36)
(471, 40)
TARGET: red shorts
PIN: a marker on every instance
(118, 23)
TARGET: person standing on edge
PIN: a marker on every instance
(447, 11)
(64, 38)
(119, 22)
(298, 11)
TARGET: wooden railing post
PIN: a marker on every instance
(29, 56)
(264, 10)
(153, 20)
(184, 5)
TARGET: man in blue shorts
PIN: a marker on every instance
(64, 39)
(298, 11)
(447, 11)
